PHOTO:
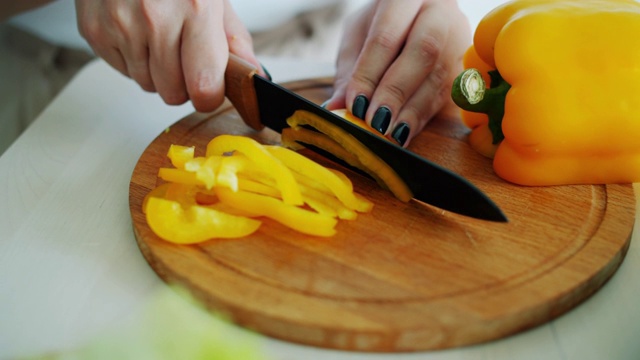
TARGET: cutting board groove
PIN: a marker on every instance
(404, 277)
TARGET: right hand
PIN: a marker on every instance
(177, 48)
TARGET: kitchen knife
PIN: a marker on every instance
(261, 103)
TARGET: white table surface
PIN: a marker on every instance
(70, 267)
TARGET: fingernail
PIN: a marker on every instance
(401, 133)
(324, 104)
(266, 72)
(360, 106)
(381, 119)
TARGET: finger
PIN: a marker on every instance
(204, 55)
(389, 28)
(351, 43)
(113, 57)
(405, 75)
(127, 28)
(136, 56)
(91, 27)
(422, 106)
(239, 38)
(434, 93)
(165, 64)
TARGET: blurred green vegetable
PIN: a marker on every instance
(172, 326)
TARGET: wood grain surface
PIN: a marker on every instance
(404, 277)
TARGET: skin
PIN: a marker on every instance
(178, 49)
(402, 57)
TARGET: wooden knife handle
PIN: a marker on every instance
(239, 89)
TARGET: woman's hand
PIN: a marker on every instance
(397, 62)
(176, 48)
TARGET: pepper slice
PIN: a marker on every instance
(262, 159)
(177, 218)
(369, 162)
(220, 195)
(297, 218)
(179, 155)
(311, 169)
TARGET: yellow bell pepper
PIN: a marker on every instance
(563, 99)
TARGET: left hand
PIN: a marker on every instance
(397, 62)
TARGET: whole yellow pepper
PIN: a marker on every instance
(564, 95)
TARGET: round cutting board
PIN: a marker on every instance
(406, 276)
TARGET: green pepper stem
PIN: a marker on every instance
(470, 93)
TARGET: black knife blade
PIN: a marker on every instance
(429, 182)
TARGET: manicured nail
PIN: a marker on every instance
(266, 72)
(401, 133)
(360, 106)
(381, 119)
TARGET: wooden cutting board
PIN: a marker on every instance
(404, 277)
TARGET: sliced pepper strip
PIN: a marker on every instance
(217, 195)
(297, 218)
(178, 176)
(308, 168)
(263, 159)
(179, 155)
(326, 203)
(293, 137)
(177, 218)
(371, 162)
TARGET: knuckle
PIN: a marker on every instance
(90, 31)
(152, 16)
(429, 47)
(197, 5)
(174, 97)
(396, 93)
(202, 87)
(412, 113)
(205, 92)
(362, 81)
(440, 74)
(384, 40)
(142, 77)
(146, 85)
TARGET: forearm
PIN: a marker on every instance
(10, 8)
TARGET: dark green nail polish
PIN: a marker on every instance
(360, 106)
(381, 119)
(401, 133)
(266, 72)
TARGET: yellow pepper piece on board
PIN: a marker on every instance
(311, 169)
(327, 204)
(564, 98)
(179, 155)
(370, 162)
(262, 159)
(179, 219)
(218, 195)
(178, 176)
(297, 218)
